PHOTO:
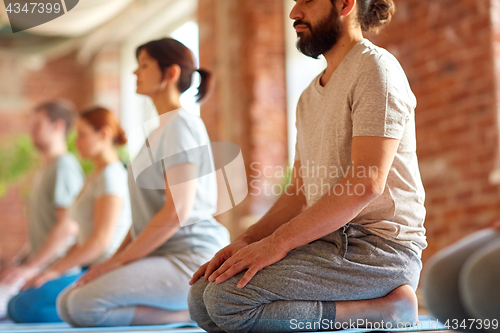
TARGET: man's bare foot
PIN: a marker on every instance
(398, 308)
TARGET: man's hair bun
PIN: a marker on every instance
(373, 14)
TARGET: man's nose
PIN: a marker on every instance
(296, 13)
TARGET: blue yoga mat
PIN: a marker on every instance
(63, 328)
(425, 323)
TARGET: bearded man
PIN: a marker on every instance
(334, 251)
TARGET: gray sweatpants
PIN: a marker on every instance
(462, 281)
(349, 264)
(111, 299)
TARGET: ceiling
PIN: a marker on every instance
(91, 25)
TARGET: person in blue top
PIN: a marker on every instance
(101, 212)
(173, 190)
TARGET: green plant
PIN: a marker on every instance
(18, 158)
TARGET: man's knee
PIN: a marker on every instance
(228, 305)
(197, 309)
(196, 304)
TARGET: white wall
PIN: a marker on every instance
(176, 22)
(300, 71)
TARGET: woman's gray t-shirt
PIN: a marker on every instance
(183, 138)
(112, 180)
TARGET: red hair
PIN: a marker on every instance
(98, 117)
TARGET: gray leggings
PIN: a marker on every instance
(111, 299)
(349, 264)
(462, 281)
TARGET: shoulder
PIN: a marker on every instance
(69, 164)
(114, 170)
(377, 67)
(184, 123)
(188, 119)
(67, 159)
(373, 59)
(113, 179)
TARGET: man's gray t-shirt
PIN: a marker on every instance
(112, 180)
(367, 95)
(182, 139)
(55, 186)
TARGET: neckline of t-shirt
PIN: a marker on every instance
(103, 169)
(317, 83)
(161, 127)
(173, 113)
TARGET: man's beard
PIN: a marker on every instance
(323, 36)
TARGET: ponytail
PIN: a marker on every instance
(205, 87)
(120, 138)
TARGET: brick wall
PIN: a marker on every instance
(242, 42)
(106, 78)
(446, 49)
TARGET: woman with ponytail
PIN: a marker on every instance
(101, 211)
(173, 192)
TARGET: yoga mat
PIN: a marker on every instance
(426, 323)
(65, 328)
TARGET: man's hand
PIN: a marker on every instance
(13, 274)
(220, 257)
(40, 279)
(253, 257)
(97, 270)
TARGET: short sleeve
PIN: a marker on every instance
(69, 181)
(297, 152)
(113, 181)
(179, 143)
(382, 100)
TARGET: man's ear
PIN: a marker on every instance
(172, 74)
(59, 125)
(347, 7)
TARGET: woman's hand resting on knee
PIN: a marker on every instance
(219, 258)
(97, 270)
